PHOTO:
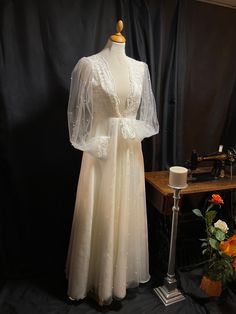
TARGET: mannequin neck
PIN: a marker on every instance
(116, 49)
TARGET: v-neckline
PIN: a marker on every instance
(113, 83)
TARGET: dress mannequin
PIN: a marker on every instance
(111, 109)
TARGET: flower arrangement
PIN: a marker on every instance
(220, 248)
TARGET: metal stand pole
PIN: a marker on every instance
(168, 293)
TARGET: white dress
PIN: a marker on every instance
(108, 250)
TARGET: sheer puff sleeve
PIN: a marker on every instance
(80, 112)
(148, 124)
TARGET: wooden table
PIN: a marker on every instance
(160, 194)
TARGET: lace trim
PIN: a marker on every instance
(104, 73)
(136, 76)
(127, 131)
(130, 99)
(102, 147)
(113, 85)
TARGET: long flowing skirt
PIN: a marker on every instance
(108, 250)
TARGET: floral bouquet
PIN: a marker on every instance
(220, 248)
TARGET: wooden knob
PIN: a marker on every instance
(118, 37)
(119, 26)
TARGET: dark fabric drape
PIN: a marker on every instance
(197, 93)
(210, 79)
(190, 49)
(40, 45)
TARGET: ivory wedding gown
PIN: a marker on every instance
(108, 250)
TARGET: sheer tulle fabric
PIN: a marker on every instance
(108, 249)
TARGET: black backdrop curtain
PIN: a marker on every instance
(190, 49)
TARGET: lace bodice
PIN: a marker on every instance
(94, 105)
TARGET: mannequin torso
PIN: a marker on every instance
(114, 54)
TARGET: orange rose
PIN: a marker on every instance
(229, 246)
(216, 199)
(234, 264)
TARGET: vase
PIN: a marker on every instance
(212, 288)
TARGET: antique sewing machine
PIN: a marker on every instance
(221, 160)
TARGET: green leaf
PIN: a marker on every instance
(214, 244)
(197, 212)
(204, 251)
(229, 266)
(219, 234)
(209, 207)
(227, 272)
(212, 229)
(204, 244)
(204, 239)
(210, 216)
